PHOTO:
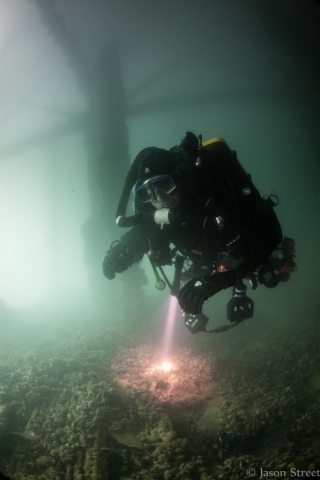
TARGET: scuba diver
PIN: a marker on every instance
(197, 197)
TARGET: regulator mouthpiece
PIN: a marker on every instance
(162, 216)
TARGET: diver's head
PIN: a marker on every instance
(158, 181)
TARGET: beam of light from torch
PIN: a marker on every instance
(168, 331)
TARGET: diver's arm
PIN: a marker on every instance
(130, 249)
(118, 259)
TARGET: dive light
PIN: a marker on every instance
(196, 323)
(240, 307)
(178, 266)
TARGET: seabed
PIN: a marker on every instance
(101, 404)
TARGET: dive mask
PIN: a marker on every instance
(147, 192)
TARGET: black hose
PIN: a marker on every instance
(131, 179)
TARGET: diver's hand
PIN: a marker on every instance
(116, 260)
(197, 290)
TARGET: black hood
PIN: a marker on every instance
(156, 162)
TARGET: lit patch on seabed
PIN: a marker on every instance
(166, 366)
(172, 376)
(184, 376)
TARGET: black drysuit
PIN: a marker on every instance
(215, 192)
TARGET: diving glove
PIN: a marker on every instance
(117, 260)
(197, 290)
